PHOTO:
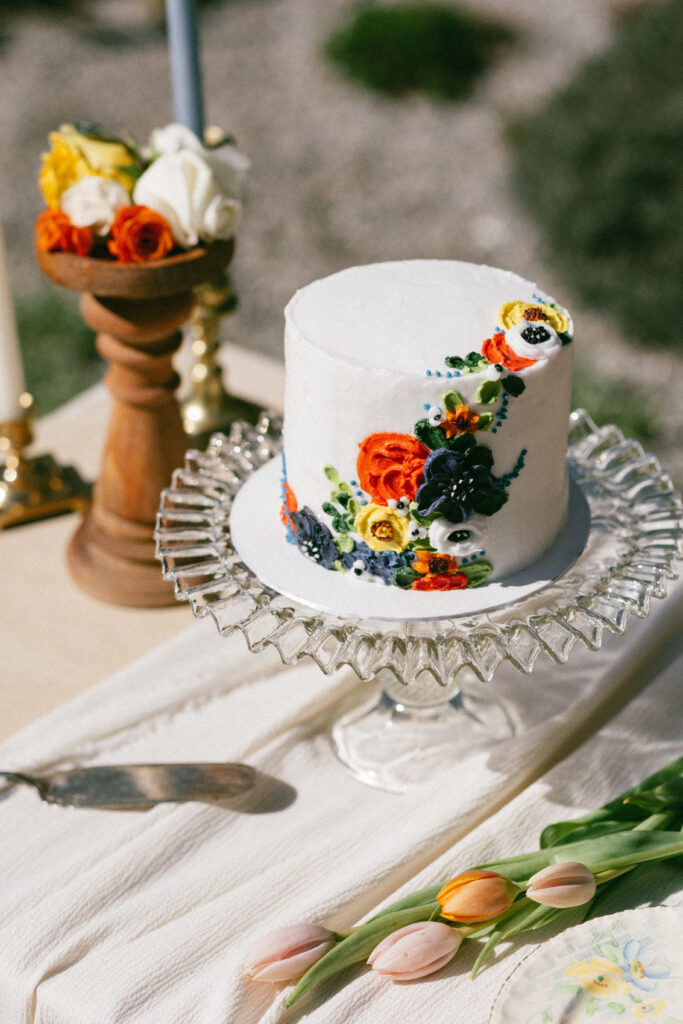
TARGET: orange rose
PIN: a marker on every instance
(139, 234)
(391, 466)
(461, 421)
(441, 581)
(496, 350)
(56, 233)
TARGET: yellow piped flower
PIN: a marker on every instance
(382, 528)
(73, 156)
(511, 313)
(649, 1009)
(599, 977)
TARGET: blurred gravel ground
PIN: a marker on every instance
(339, 176)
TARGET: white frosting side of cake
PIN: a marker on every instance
(357, 348)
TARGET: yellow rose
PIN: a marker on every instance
(599, 977)
(383, 528)
(73, 156)
(512, 312)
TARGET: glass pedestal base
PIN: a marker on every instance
(399, 737)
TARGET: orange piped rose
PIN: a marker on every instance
(496, 350)
(476, 896)
(56, 233)
(441, 581)
(391, 466)
(289, 505)
(139, 235)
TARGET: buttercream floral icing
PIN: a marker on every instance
(417, 514)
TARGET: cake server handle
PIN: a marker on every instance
(139, 785)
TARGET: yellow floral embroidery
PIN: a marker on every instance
(383, 528)
(512, 312)
(72, 156)
(599, 977)
(649, 1009)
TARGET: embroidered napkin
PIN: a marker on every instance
(145, 917)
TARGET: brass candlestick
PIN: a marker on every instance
(34, 487)
(209, 407)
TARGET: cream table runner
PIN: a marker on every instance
(145, 917)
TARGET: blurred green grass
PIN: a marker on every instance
(430, 48)
(58, 349)
(600, 169)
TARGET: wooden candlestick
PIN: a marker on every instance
(137, 311)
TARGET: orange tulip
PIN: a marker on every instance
(476, 896)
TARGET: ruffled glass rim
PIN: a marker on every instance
(634, 543)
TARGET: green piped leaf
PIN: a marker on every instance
(476, 573)
(472, 363)
(421, 520)
(460, 443)
(329, 509)
(513, 385)
(344, 544)
(451, 400)
(431, 437)
(485, 420)
(332, 475)
(404, 577)
(565, 337)
(487, 392)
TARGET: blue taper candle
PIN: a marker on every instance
(186, 78)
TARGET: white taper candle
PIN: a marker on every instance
(12, 383)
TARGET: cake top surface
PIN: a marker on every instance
(406, 315)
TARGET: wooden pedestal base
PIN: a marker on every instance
(137, 311)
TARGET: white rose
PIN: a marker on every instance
(171, 138)
(182, 188)
(93, 202)
(230, 167)
(458, 539)
(533, 339)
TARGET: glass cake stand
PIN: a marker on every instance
(429, 705)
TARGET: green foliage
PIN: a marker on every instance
(57, 348)
(615, 401)
(427, 48)
(599, 168)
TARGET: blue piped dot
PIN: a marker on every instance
(426, 405)
(437, 373)
(465, 561)
(456, 373)
(359, 493)
(448, 373)
(494, 430)
(482, 553)
(428, 372)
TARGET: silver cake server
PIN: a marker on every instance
(139, 785)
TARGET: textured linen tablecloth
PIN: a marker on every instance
(110, 917)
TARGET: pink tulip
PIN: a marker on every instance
(562, 885)
(287, 953)
(415, 951)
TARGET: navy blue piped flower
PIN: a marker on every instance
(459, 482)
(377, 563)
(314, 539)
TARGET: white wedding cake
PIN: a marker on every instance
(426, 413)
